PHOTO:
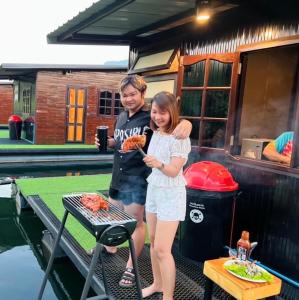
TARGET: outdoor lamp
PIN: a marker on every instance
(203, 10)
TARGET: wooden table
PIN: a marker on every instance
(238, 288)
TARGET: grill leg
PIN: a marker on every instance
(93, 264)
(103, 272)
(135, 266)
(50, 263)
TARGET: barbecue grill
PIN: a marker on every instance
(110, 227)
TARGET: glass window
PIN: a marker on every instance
(191, 103)
(26, 95)
(205, 97)
(217, 104)
(194, 74)
(219, 73)
(154, 60)
(213, 134)
(110, 103)
(105, 103)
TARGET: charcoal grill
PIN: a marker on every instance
(110, 228)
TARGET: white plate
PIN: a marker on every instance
(232, 261)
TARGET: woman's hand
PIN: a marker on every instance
(183, 130)
(152, 162)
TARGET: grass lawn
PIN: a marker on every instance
(4, 134)
(44, 147)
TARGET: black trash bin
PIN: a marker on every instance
(211, 191)
(28, 127)
(15, 127)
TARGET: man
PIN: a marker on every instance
(128, 185)
(280, 150)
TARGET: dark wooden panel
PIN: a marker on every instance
(269, 208)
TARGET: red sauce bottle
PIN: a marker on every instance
(243, 246)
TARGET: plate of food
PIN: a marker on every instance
(247, 270)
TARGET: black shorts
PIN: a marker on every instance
(128, 197)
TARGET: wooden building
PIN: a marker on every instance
(6, 101)
(64, 103)
(237, 79)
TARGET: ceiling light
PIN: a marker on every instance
(203, 10)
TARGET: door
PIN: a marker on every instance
(76, 105)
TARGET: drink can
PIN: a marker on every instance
(102, 134)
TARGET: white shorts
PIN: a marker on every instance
(169, 203)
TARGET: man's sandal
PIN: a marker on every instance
(128, 278)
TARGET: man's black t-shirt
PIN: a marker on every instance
(129, 171)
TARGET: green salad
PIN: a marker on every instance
(248, 270)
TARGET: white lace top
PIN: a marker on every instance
(163, 147)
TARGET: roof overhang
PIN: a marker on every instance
(120, 22)
(142, 22)
(17, 71)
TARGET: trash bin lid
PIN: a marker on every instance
(29, 120)
(210, 176)
(14, 118)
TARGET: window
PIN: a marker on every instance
(205, 97)
(267, 105)
(26, 101)
(118, 108)
(153, 61)
(106, 103)
(156, 84)
(109, 103)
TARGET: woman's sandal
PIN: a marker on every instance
(128, 278)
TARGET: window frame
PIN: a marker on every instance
(113, 92)
(153, 68)
(223, 58)
(275, 166)
(26, 100)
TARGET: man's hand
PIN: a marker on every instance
(183, 130)
(110, 143)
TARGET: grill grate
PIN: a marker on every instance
(97, 222)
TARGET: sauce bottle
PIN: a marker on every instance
(243, 246)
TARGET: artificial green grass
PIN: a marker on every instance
(4, 134)
(51, 190)
(30, 146)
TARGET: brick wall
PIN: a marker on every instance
(51, 97)
(6, 103)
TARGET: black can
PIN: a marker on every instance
(102, 134)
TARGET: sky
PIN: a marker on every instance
(24, 25)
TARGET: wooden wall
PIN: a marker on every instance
(51, 97)
(6, 103)
(268, 208)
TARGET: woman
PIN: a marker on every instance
(166, 194)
